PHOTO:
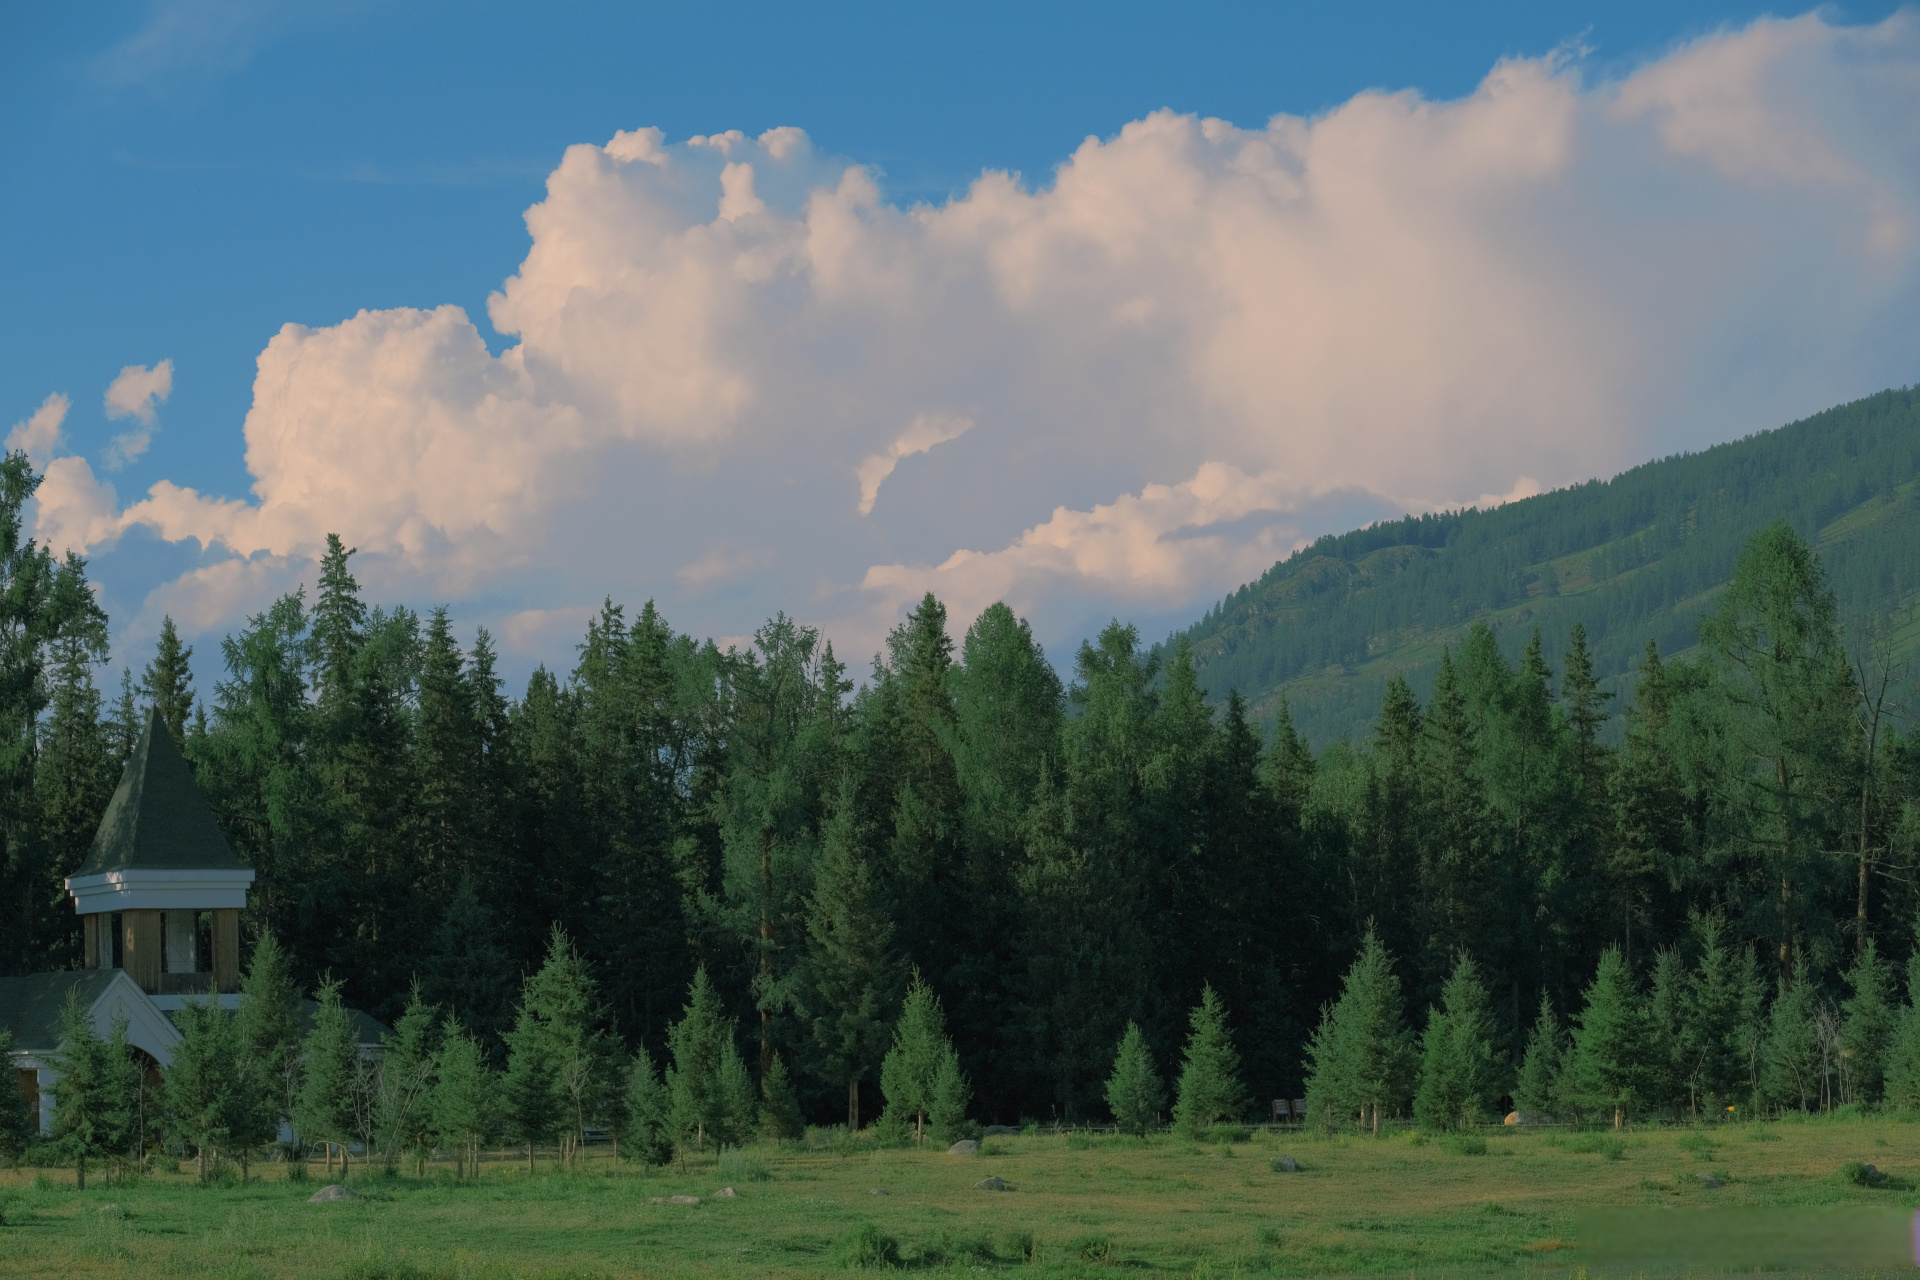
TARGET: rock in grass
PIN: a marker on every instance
(327, 1195)
(878, 1191)
(967, 1147)
(992, 1184)
(111, 1210)
(724, 1193)
(674, 1200)
(1707, 1179)
(1286, 1164)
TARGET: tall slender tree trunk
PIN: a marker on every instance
(1786, 861)
(529, 1155)
(766, 951)
(853, 1104)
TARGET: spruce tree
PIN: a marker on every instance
(203, 1089)
(648, 1137)
(700, 1081)
(919, 1050)
(267, 1032)
(947, 1110)
(1209, 1089)
(1360, 1056)
(327, 1110)
(1610, 1046)
(1869, 1027)
(1902, 1088)
(1792, 1066)
(1461, 1074)
(564, 1003)
(852, 976)
(1723, 1010)
(19, 1116)
(1134, 1091)
(465, 1099)
(406, 1083)
(739, 1100)
(1671, 1045)
(530, 1096)
(167, 685)
(92, 1108)
(780, 1117)
(1536, 1091)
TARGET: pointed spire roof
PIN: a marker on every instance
(157, 819)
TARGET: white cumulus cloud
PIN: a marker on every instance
(38, 434)
(1198, 345)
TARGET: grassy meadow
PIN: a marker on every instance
(1078, 1205)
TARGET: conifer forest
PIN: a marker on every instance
(1032, 889)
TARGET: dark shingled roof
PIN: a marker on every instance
(30, 1006)
(157, 819)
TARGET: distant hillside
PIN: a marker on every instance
(1635, 558)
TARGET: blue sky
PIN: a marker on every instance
(189, 177)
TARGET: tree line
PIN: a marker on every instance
(1054, 859)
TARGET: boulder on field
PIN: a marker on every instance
(724, 1193)
(111, 1210)
(1707, 1179)
(878, 1191)
(966, 1147)
(327, 1195)
(1286, 1164)
(992, 1184)
(674, 1200)
(999, 1131)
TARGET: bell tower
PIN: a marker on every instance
(160, 892)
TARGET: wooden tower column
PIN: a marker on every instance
(140, 944)
(226, 950)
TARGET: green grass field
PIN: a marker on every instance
(1079, 1205)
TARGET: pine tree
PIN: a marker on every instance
(1610, 1047)
(530, 1096)
(648, 1137)
(1461, 1075)
(1792, 1066)
(1536, 1091)
(327, 1110)
(1209, 1089)
(1869, 1027)
(406, 1082)
(852, 977)
(780, 1117)
(919, 1049)
(1360, 1055)
(202, 1087)
(1134, 1091)
(167, 685)
(465, 1098)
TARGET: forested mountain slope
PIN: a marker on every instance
(1634, 558)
